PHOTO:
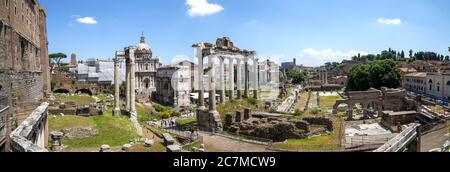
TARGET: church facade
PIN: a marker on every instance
(146, 68)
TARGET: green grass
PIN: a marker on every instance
(59, 123)
(328, 101)
(233, 106)
(78, 99)
(143, 113)
(323, 142)
(186, 122)
(113, 131)
(189, 147)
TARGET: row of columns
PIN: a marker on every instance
(222, 90)
(130, 74)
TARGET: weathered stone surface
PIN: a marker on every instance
(105, 148)
(174, 148)
(247, 113)
(126, 147)
(229, 119)
(149, 143)
(79, 133)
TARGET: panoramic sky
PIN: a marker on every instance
(313, 31)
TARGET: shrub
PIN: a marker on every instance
(252, 101)
(315, 111)
(297, 112)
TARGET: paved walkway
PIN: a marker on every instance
(214, 143)
(435, 139)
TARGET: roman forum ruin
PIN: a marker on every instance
(223, 50)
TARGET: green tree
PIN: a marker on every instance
(383, 73)
(55, 58)
(411, 53)
(359, 78)
(297, 77)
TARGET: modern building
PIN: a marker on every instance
(415, 82)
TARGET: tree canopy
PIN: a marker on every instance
(382, 73)
(55, 58)
(297, 77)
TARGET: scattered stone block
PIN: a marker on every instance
(174, 148)
(126, 147)
(149, 143)
(105, 148)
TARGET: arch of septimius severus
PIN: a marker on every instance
(246, 78)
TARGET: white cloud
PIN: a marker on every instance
(312, 57)
(202, 8)
(390, 21)
(87, 20)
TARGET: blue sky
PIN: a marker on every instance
(313, 31)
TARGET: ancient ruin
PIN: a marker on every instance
(224, 49)
(376, 101)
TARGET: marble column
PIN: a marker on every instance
(222, 79)
(201, 99)
(255, 78)
(212, 84)
(132, 92)
(239, 79)
(116, 87)
(127, 93)
(231, 78)
(246, 77)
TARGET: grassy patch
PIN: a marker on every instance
(186, 122)
(143, 113)
(324, 142)
(114, 131)
(78, 99)
(59, 123)
(234, 106)
(328, 101)
(189, 147)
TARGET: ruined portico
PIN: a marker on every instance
(246, 78)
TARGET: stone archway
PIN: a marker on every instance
(61, 91)
(84, 91)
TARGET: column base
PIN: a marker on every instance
(216, 122)
(255, 94)
(239, 94)
(133, 115)
(117, 112)
(245, 94)
(222, 96)
(231, 94)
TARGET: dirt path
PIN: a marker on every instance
(215, 143)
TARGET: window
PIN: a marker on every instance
(6, 4)
(146, 66)
(438, 87)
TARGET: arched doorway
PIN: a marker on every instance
(61, 91)
(84, 91)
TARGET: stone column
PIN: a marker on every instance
(127, 93)
(246, 77)
(326, 76)
(212, 83)
(350, 112)
(132, 92)
(231, 78)
(201, 99)
(222, 80)
(116, 110)
(255, 79)
(239, 79)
